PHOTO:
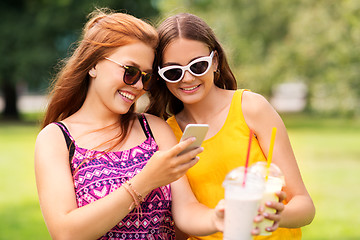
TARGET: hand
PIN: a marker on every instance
(219, 216)
(279, 207)
(275, 217)
(167, 166)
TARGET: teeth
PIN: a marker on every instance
(189, 89)
(127, 95)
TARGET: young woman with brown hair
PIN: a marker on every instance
(196, 85)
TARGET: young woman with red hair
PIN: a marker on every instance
(101, 171)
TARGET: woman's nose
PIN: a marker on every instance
(188, 77)
(139, 84)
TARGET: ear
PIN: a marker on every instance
(215, 61)
(92, 72)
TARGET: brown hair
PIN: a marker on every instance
(187, 26)
(105, 31)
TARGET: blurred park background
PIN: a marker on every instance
(302, 55)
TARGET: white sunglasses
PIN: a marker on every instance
(198, 67)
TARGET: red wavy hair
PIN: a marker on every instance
(105, 31)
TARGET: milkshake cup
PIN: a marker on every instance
(241, 203)
(274, 183)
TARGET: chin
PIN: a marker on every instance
(191, 100)
(122, 111)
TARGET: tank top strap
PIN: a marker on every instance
(145, 126)
(237, 99)
(70, 142)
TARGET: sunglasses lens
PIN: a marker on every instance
(199, 67)
(132, 75)
(146, 79)
(173, 74)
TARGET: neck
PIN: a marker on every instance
(95, 116)
(204, 110)
(212, 110)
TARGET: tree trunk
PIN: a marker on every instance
(10, 98)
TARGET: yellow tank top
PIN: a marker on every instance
(222, 153)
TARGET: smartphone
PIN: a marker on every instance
(194, 130)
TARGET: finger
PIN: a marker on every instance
(181, 169)
(255, 231)
(181, 146)
(281, 195)
(273, 227)
(221, 205)
(278, 206)
(261, 209)
(258, 218)
(220, 209)
(272, 216)
(189, 156)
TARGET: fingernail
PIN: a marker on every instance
(261, 208)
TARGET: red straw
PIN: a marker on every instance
(247, 156)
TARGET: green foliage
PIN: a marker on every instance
(275, 41)
(37, 33)
(267, 42)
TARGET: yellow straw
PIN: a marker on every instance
(269, 158)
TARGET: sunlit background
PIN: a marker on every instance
(302, 55)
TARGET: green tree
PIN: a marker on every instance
(35, 34)
(275, 41)
(323, 49)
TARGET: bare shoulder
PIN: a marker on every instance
(258, 111)
(254, 103)
(156, 122)
(49, 139)
(51, 131)
(162, 132)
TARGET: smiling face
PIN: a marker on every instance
(190, 89)
(107, 90)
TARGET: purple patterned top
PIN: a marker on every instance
(105, 172)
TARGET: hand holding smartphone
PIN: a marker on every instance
(194, 130)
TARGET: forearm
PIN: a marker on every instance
(93, 220)
(197, 220)
(299, 212)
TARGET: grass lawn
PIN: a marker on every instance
(20, 215)
(328, 154)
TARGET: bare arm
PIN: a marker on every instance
(57, 196)
(190, 216)
(56, 190)
(261, 117)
